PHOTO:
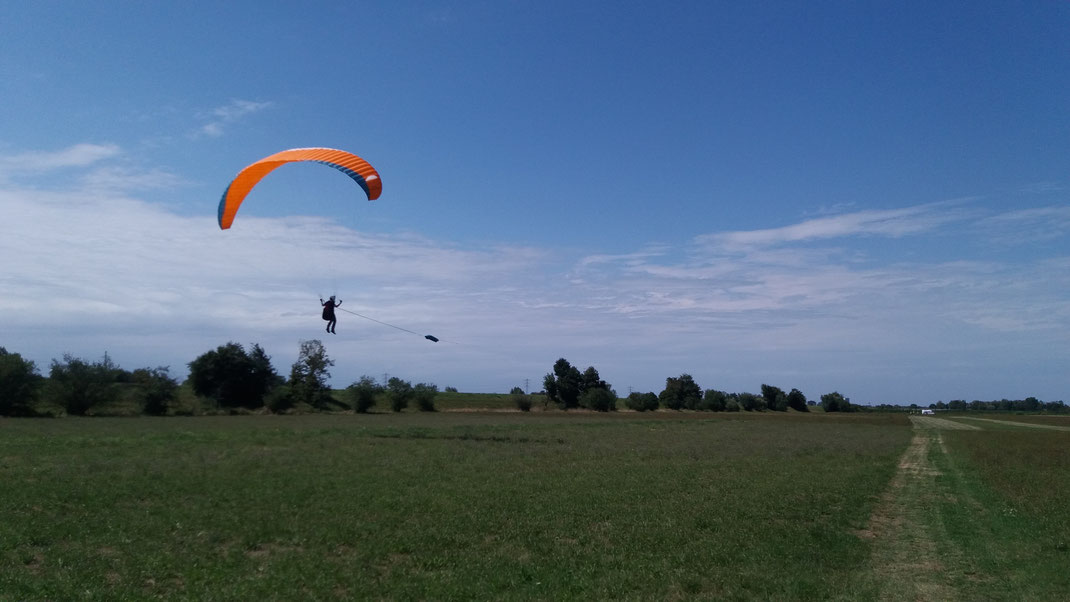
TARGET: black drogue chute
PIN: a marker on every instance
(431, 337)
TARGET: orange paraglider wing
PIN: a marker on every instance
(348, 163)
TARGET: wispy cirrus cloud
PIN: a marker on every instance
(888, 222)
(795, 305)
(101, 167)
(1036, 224)
(783, 280)
(220, 117)
(36, 162)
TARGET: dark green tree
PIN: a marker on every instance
(155, 389)
(232, 377)
(714, 401)
(549, 385)
(775, 399)
(642, 402)
(600, 399)
(750, 402)
(797, 401)
(680, 392)
(591, 380)
(309, 374)
(834, 402)
(20, 385)
(424, 394)
(399, 392)
(567, 384)
(362, 394)
(79, 386)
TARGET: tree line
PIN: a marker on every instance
(1029, 404)
(569, 388)
(234, 378)
(229, 376)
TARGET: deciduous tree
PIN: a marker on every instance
(232, 377)
(680, 392)
(79, 386)
(20, 384)
(797, 401)
(155, 389)
(309, 374)
(362, 394)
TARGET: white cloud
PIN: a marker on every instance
(91, 271)
(94, 270)
(35, 162)
(889, 222)
(116, 178)
(1038, 224)
(221, 117)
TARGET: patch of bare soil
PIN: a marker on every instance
(906, 563)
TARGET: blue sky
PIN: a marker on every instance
(864, 197)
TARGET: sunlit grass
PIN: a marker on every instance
(1009, 512)
(448, 505)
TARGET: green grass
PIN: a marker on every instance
(1006, 514)
(544, 505)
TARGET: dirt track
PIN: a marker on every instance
(906, 563)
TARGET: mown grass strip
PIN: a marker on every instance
(1007, 512)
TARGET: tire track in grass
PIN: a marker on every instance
(906, 561)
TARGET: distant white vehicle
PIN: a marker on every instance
(924, 412)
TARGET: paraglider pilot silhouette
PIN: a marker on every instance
(328, 312)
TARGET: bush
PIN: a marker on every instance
(642, 402)
(714, 401)
(599, 399)
(155, 389)
(280, 398)
(834, 402)
(780, 404)
(520, 399)
(79, 386)
(20, 385)
(731, 405)
(425, 396)
(362, 394)
(399, 392)
(750, 402)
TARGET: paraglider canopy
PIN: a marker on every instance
(348, 163)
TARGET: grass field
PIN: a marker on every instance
(545, 505)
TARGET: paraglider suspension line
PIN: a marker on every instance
(379, 321)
